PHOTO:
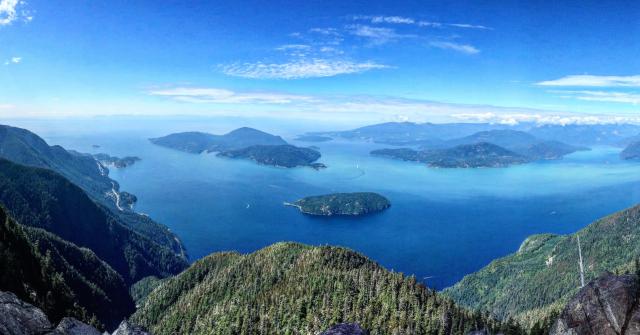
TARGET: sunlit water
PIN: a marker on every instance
(443, 223)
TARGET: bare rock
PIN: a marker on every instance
(20, 318)
(71, 326)
(127, 328)
(606, 306)
(346, 329)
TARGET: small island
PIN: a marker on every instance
(313, 138)
(631, 152)
(111, 161)
(346, 204)
(285, 155)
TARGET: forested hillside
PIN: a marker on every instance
(291, 288)
(534, 284)
(60, 278)
(43, 199)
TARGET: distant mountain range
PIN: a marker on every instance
(492, 148)
(244, 143)
(431, 134)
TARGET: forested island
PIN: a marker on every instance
(462, 156)
(285, 155)
(112, 161)
(351, 204)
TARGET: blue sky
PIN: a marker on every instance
(503, 61)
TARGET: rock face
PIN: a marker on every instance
(126, 328)
(607, 305)
(20, 318)
(71, 326)
(346, 329)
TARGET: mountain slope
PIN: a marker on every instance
(534, 283)
(59, 277)
(290, 288)
(197, 142)
(24, 147)
(42, 198)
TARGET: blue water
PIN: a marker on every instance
(443, 223)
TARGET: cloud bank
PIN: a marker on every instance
(301, 68)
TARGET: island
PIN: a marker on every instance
(313, 138)
(462, 156)
(347, 204)
(198, 142)
(631, 152)
(111, 161)
(285, 155)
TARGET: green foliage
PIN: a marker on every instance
(43, 199)
(277, 155)
(357, 203)
(290, 288)
(60, 278)
(534, 284)
(140, 290)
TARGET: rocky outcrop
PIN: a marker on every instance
(20, 318)
(346, 329)
(71, 326)
(127, 328)
(607, 305)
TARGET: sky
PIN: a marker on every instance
(357, 61)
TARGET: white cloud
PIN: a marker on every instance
(392, 19)
(325, 31)
(298, 69)
(376, 35)
(463, 48)
(594, 81)
(544, 118)
(294, 47)
(603, 96)
(224, 96)
(12, 10)
(469, 26)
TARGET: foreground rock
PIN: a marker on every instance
(607, 305)
(20, 318)
(346, 329)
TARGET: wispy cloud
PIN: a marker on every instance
(298, 69)
(376, 35)
(380, 19)
(544, 118)
(13, 60)
(12, 10)
(594, 81)
(469, 26)
(224, 96)
(366, 108)
(603, 96)
(463, 48)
